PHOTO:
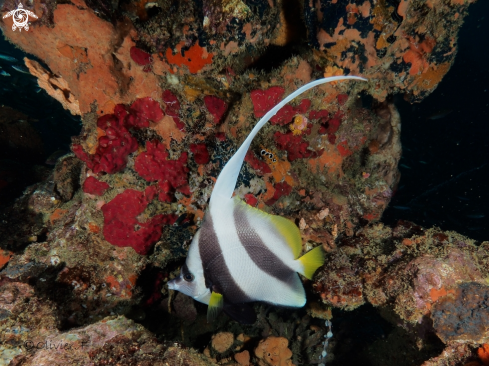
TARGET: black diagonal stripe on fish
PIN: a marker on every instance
(256, 248)
(216, 271)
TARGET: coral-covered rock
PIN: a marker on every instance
(195, 58)
(281, 189)
(201, 154)
(385, 37)
(114, 145)
(421, 269)
(121, 224)
(260, 166)
(67, 176)
(26, 319)
(274, 351)
(222, 342)
(172, 108)
(93, 186)
(264, 100)
(154, 165)
(250, 199)
(216, 107)
(340, 287)
(115, 338)
(55, 86)
(461, 315)
(141, 58)
(243, 358)
(143, 111)
(74, 44)
(296, 147)
(454, 354)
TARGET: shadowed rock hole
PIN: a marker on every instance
(296, 34)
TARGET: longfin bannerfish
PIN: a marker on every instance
(241, 254)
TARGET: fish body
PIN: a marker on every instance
(402, 208)
(476, 216)
(440, 114)
(4, 73)
(21, 69)
(241, 254)
(242, 248)
(7, 58)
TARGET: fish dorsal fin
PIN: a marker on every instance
(216, 303)
(226, 182)
(290, 232)
(286, 228)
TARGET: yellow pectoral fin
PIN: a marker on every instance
(311, 261)
(216, 304)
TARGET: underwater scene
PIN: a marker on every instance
(244, 182)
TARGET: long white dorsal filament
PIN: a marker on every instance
(226, 181)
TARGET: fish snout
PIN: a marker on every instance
(172, 285)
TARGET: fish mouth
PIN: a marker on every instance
(171, 285)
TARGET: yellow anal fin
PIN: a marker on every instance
(311, 261)
(216, 303)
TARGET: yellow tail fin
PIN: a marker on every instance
(311, 261)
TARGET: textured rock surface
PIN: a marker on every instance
(273, 351)
(110, 341)
(463, 315)
(406, 269)
(388, 42)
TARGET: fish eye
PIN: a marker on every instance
(186, 274)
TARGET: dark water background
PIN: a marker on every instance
(445, 161)
(21, 92)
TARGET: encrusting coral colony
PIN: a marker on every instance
(167, 91)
